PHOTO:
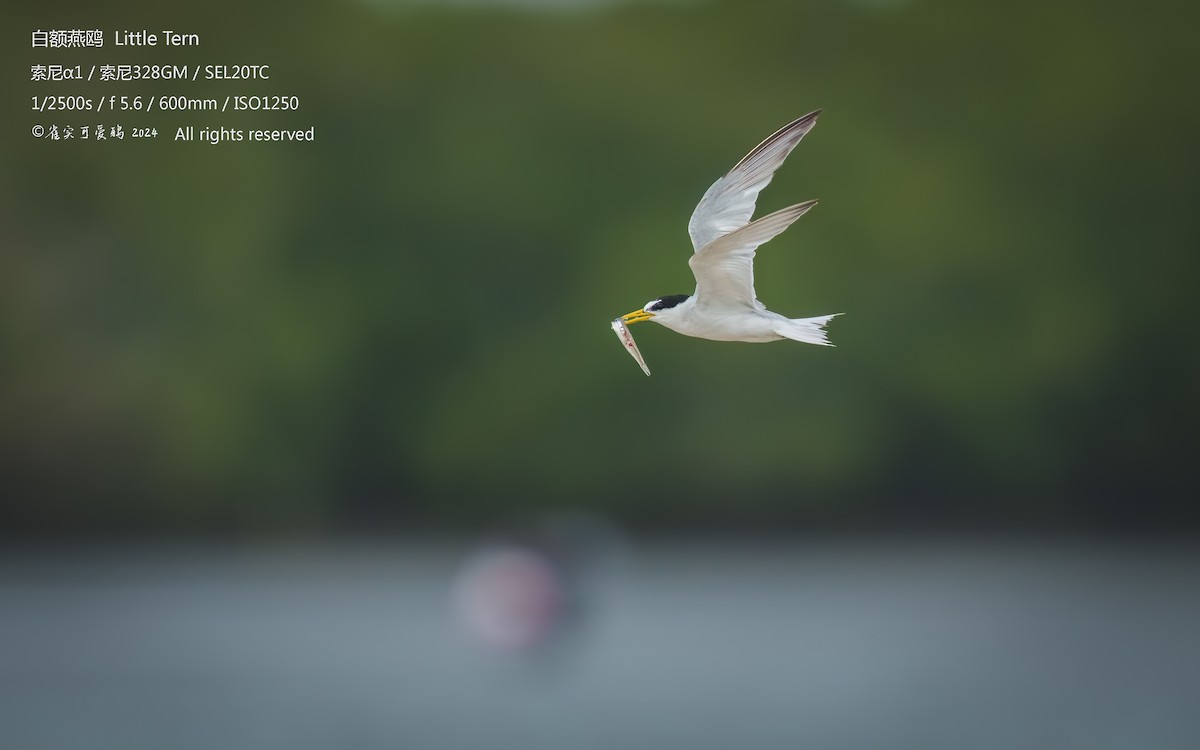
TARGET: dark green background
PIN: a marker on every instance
(405, 323)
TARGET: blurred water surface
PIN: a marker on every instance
(700, 644)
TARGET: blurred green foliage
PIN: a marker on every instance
(406, 322)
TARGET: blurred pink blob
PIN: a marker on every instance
(510, 598)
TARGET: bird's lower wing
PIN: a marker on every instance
(729, 203)
(724, 268)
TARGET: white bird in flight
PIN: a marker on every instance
(724, 306)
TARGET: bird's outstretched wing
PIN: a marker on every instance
(724, 268)
(729, 203)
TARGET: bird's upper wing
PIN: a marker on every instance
(724, 268)
(729, 203)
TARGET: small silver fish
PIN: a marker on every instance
(626, 337)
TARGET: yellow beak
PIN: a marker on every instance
(637, 316)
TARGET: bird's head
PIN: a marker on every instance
(661, 307)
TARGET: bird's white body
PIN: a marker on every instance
(725, 306)
(729, 323)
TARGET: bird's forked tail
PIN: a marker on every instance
(807, 330)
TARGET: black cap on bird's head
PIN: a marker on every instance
(664, 303)
(655, 306)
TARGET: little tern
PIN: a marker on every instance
(724, 306)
